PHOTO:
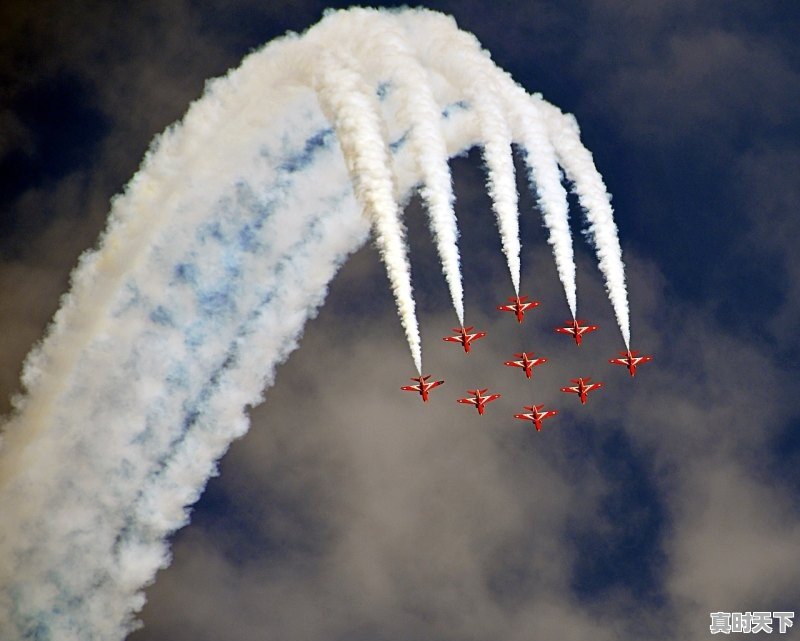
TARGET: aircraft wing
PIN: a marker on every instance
(574, 390)
(620, 361)
(490, 398)
(638, 360)
(514, 363)
(472, 337)
(434, 384)
(410, 388)
(593, 386)
(471, 401)
(565, 330)
(452, 339)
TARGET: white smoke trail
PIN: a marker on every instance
(420, 114)
(105, 465)
(221, 247)
(564, 138)
(459, 56)
(502, 186)
(464, 53)
(579, 166)
(353, 109)
(545, 179)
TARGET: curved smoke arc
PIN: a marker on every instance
(218, 251)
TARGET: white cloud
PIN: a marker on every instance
(429, 521)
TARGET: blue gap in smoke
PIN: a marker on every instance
(187, 272)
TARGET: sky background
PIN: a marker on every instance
(350, 510)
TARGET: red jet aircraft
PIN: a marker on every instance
(478, 399)
(464, 337)
(527, 363)
(582, 387)
(631, 360)
(576, 330)
(422, 386)
(518, 306)
(536, 415)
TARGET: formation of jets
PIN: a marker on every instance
(526, 361)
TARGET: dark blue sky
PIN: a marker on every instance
(681, 134)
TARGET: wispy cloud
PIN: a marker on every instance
(396, 518)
